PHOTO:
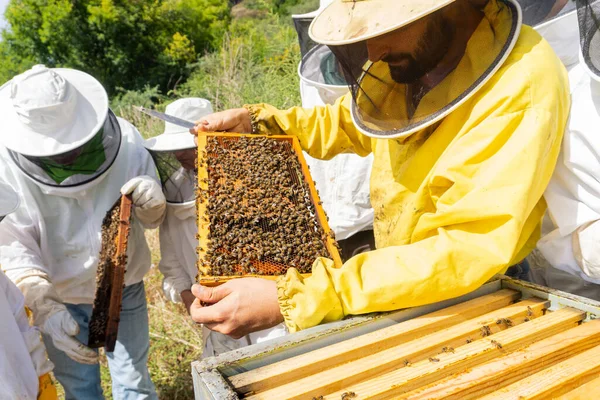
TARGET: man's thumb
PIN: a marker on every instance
(209, 295)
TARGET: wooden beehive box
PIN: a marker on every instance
(259, 212)
(110, 276)
(507, 340)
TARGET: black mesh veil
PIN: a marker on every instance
(79, 166)
(319, 67)
(404, 90)
(177, 172)
(588, 14)
(301, 23)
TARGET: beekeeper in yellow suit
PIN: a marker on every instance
(463, 109)
(24, 365)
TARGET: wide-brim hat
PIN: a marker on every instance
(176, 137)
(9, 200)
(51, 111)
(387, 104)
(351, 21)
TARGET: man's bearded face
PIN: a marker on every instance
(408, 63)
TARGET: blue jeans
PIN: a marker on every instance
(519, 271)
(127, 364)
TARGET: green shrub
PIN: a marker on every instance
(123, 43)
(257, 62)
(149, 97)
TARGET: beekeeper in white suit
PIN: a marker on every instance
(174, 153)
(573, 195)
(24, 367)
(343, 181)
(69, 157)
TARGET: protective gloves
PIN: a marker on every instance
(173, 286)
(62, 327)
(52, 317)
(148, 198)
(37, 351)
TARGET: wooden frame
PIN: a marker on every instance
(203, 226)
(117, 278)
(120, 262)
(544, 345)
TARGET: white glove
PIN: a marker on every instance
(37, 351)
(171, 292)
(53, 318)
(148, 198)
(62, 327)
(172, 287)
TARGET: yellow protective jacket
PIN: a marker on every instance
(454, 204)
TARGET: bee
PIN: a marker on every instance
(526, 319)
(485, 331)
(447, 349)
(347, 395)
(469, 340)
(529, 311)
(433, 359)
(406, 363)
(497, 344)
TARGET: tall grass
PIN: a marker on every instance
(256, 63)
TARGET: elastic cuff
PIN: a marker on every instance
(253, 118)
(285, 303)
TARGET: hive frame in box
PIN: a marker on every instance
(204, 226)
(210, 375)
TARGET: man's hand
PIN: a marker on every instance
(62, 328)
(235, 120)
(238, 307)
(148, 198)
(187, 298)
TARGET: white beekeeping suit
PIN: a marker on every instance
(573, 195)
(22, 354)
(70, 158)
(174, 153)
(342, 182)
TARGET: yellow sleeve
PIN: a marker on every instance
(487, 190)
(323, 132)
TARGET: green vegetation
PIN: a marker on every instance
(257, 62)
(123, 43)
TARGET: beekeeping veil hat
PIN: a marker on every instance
(588, 14)
(174, 151)
(9, 201)
(388, 102)
(320, 73)
(57, 126)
(302, 22)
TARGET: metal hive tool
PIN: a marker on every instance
(110, 276)
(264, 221)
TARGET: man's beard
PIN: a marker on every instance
(432, 47)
